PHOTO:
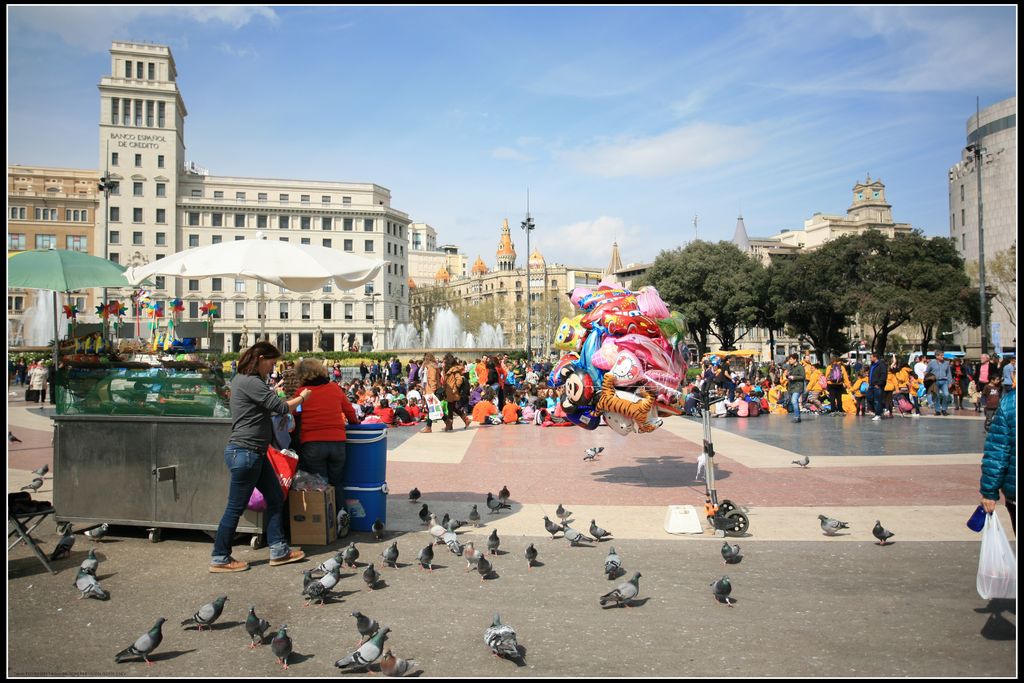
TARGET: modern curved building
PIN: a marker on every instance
(996, 131)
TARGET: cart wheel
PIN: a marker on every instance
(738, 523)
(256, 542)
(154, 536)
(726, 506)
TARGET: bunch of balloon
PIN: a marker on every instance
(624, 359)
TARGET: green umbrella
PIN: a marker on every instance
(61, 270)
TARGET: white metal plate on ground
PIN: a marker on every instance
(683, 519)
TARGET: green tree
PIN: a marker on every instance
(1000, 280)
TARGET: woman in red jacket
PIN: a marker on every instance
(322, 432)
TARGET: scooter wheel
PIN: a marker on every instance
(738, 523)
(726, 506)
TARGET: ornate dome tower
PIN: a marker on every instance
(479, 267)
(506, 250)
(442, 276)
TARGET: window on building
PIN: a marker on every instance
(77, 243)
(325, 199)
(262, 197)
(152, 71)
(16, 241)
(126, 116)
(197, 193)
(961, 199)
(261, 221)
(161, 238)
(159, 281)
(369, 311)
(284, 310)
(137, 215)
(217, 220)
(305, 222)
(368, 225)
(283, 239)
(328, 288)
(216, 239)
(239, 310)
(216, 284)
(306, 310)
(193, 285)
(239, 286)
(115, 214)
(138, 70)
(239, 220)
(160, 119)
(327, 244)
(193, 309)
(193, 241)
(348, 311)
(115, 237)
(115, 110)
(304, 240)
(15, 303)
(347, 224)
(161, 189)
(193, 218)
(137, 238)
(138, 160)
(218, 194)
(149, 113)
(160, 157)
(136, 189)
(283, 198)
(346, 201)
(282, 222)
(327, 311)
(368, 246)
(114, 156)
(127, 69)
(161, 215)
(347, 245)
(325, 223)
(304, 198)
(368, 289)
(239, 196)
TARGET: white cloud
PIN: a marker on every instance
(690, 147)
(94, 28)
(589, 243)
(689, 105)
(509, 154)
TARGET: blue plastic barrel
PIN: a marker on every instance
(366, 503)
(366, 451)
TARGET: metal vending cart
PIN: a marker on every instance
(143, 445)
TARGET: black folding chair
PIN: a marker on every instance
(20, 517)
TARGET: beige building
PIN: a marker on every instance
(996, 133)
(499, 296)
(426, 258)
(161, 203)
(50, 208)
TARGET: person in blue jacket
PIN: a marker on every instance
(999, 463)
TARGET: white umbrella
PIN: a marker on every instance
(298, 267)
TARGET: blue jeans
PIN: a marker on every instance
(326, 458)
(941, 395)
(794, 403)
(250, 470)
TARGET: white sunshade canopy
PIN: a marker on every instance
(297, 267)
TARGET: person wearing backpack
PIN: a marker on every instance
(837, 382)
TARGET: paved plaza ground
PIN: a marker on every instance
(806, 605)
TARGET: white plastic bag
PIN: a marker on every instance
(997, 568)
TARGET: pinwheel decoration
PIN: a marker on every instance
(71, 312)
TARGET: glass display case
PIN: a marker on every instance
(180, 389)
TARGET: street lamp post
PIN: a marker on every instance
(528, 226)
(105, 185)
(977, 151)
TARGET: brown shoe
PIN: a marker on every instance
(232, 566)
(466, 420)
(426, 431)
(294, 556)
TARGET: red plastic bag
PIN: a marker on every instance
(285, 464)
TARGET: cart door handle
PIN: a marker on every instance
(166, 473)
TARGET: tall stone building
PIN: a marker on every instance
(994, 135)
(162, 203)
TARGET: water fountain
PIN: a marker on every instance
(36, 328)
(446, 333)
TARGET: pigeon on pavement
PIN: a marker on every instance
(255, 627)
(391, 665)
(721, 589)
(330, 564)
(281, 645)
(483, 567)
(882, 534)
(436, 530)
(730, 553)
(531, 556)
(593, 452)
(612, 563)
(493, 542)
(307, 578)
(503, 494)
(351, 554)
(366, 626)
(426, 557)
(322, 587)
(453, 524)
(414, 495)
(89, 586)
(831, 526)
(444, 520)
(597, 532)
(495, 505)
(575, 536)
(474, 516)
(803, 462)
(11, 438)
(36, 484)
(99, 532)
(551, 527)
(41, 472)
(378, 529)
(91, 562)
(501, 638)
(390, 556)
(452, 541)
(368, 653)
(424, 514)
(370, 576)
(207, 614)
(562, 513)
(64, 545)
(471, 554)
(144, 645)
(623, 593)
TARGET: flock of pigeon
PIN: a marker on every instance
(371, 649)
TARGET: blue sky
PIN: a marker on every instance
(623, 122)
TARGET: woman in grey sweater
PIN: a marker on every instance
(252, 405)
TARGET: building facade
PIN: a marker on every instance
(498, 296)
(426, 258)
(161, 203)
(996, 134)
(49, 208)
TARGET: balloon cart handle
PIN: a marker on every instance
(724, 517)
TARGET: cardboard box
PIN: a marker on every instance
(313, 519)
